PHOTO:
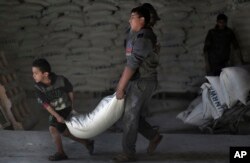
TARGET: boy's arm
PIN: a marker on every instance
(69, 89)
(71, 96)
(142, 47)
(123, 82)
(42, 99)
(54, 113)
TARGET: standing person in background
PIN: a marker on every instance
(218, 46)
(139, 81)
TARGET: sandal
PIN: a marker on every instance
(58, 157)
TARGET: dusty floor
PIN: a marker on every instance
(182, 143)
(35, 146)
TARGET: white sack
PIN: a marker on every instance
(194, 115)
(107, 112)
(183, 115)
(235, 85)
(211, 104)
(215, 83)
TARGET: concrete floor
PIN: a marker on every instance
(182, 143)
(35, 146)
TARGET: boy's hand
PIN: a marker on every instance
(60, 119)
(119, 94)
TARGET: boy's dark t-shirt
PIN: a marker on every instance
(55, 94)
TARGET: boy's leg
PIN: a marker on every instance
(149, 133)
(144, 127)
(89, 144)
(133, 103)
(60, 154)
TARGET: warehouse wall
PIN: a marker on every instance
(83, 39)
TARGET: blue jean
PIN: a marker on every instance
(138, 95)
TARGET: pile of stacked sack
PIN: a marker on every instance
(217, 95)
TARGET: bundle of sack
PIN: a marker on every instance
(218, 94)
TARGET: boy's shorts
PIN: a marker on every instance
(60, 126)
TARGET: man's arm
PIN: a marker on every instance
(207, 46)
(237, 47)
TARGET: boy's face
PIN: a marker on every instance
(136, 22)
(38, 75)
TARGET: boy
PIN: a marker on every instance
(55, 93)
(139, 79)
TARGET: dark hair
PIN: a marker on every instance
(222, 17)
(142, 12)
(42, 64)
(152, 11)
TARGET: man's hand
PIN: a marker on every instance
(60, 119)
(120, 94)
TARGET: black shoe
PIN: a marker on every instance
(58, 157)
(124, 158)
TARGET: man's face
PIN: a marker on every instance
(221, 24)
(38, 75)
(136, 22)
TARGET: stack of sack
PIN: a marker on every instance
(107, 112)
(220, 93)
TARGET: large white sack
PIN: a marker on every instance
(107, 112)
(183, 115)
(196, 117)
(235, 85)
(215, 83)
(211, 104)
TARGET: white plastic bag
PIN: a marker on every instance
(107, 112)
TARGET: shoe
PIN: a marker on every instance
(90, 147)
(58, 157)
(154, 143)
(124, 158)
